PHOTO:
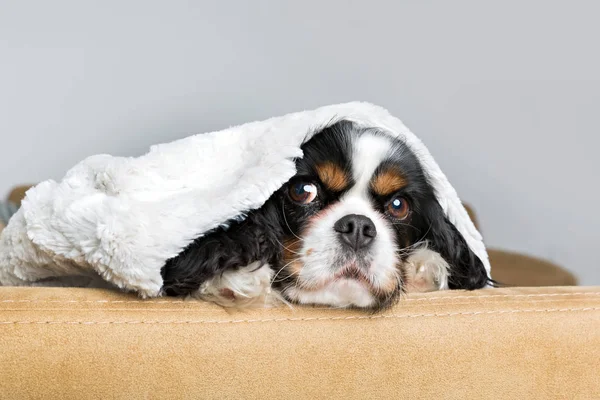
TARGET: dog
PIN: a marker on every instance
(356, 227)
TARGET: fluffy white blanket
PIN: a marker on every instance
(122, 218)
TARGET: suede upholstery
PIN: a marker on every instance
(520, 343)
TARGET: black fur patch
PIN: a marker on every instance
(256, 238)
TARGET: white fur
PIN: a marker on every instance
(245, 287)
(122, 218)
(425, 271)
(368, 152)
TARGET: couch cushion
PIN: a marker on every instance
(516, 269)
(18, 193)
(519, 343)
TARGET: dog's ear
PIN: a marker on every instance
(235, 244)
(466, 269)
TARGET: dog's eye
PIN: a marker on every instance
(303, 192)
(398, 208)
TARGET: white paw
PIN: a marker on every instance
(245, 287)
(425, 271)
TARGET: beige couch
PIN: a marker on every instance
(513, 343)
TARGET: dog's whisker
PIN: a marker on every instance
(287, 248)
(288, 225)
(282, 268)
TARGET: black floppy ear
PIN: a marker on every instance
(466, 269)
(233, 245)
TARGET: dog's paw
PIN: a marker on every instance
(425, 271)
(248, 286)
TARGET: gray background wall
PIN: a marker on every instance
(505, 94)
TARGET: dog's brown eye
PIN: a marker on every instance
(398, 208)
(303, 192)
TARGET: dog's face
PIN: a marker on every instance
(358, 209)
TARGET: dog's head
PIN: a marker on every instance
(359, 207)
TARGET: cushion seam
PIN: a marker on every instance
(115, 308)
(201, 302)
(351, 317)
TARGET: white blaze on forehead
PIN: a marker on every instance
(368, 152)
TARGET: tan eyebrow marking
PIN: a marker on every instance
(387, 182)
(332, 176)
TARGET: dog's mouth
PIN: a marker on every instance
(350, 286)
(353, 272)
(342, 280)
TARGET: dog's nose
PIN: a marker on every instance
(356, 231)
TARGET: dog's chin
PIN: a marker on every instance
(351, 286)
(340, 292)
